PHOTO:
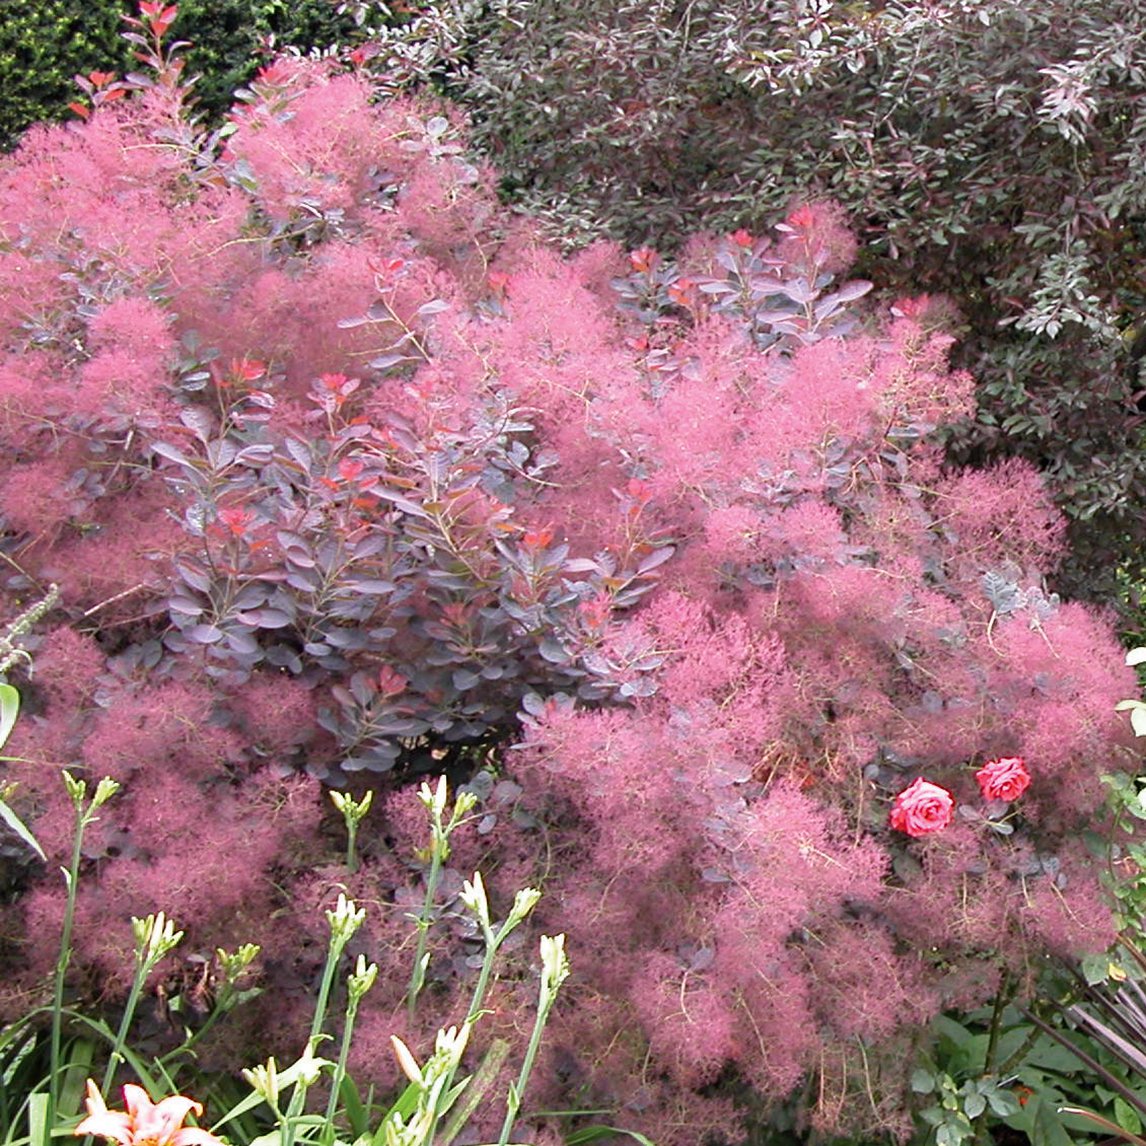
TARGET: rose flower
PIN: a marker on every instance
(1003, 779)
(922, 808)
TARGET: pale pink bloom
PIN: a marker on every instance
(144, 1123)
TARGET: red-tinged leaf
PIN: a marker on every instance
(252, 596)
(774, 317)
(582, 565)
(258, 455)
(185, 606)
(299, 557)
(302, 581)
(301, 453)
(371, 588)
(82, 110)
(798, 290)
(199, 421)
(655, 559)
(243, 643)
(553, 651)
(195, 577)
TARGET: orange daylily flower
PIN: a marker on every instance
(144, 1123)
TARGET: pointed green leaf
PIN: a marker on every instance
(9, 709)
(17, 825)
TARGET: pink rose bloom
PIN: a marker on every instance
(1004, 779)
(922, 808)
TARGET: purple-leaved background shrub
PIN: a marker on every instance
(345, 477)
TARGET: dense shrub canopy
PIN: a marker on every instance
(337, 466)
(989, 150)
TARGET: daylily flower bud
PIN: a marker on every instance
(234, 965)
(554, 963)
(154, 937)
(362, 979)
(406, 1060)
(264, 1081)
(523, 903)
(345, 919)
(473, 896)
(105, 789)
(77, 789)
(434, 798)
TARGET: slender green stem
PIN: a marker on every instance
(492, 943)
(440, 830)
(351, 852)
(344, 921)
(142, 970)
(340, 1068)
(333, 954)
(423, 922)
(513, 1101)
(64, 958)
(554, 972)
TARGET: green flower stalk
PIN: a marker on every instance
(554, 972)
(85, 816)
(353, 813)
(357, 985)
(344, 920)
(228, 996)
(440, 830)
(473, 896)
(155, 936)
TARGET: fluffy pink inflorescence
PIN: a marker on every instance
(1004, 779)
(921, 809)
(714, 846)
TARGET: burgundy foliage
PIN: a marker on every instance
(343, 476)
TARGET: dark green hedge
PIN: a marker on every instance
(228, 36)
(44, 43)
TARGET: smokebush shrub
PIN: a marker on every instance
(343, 474)
(989, 151)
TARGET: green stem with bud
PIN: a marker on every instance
(85, 816)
